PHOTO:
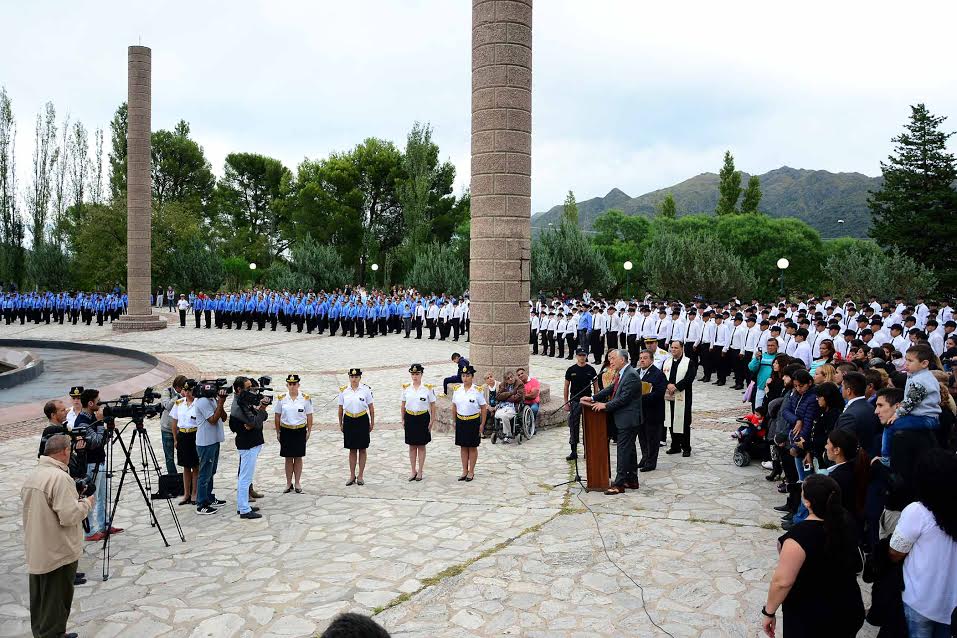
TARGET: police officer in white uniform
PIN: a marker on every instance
(417, 414)
(356, 421)
(293, 412)
(468, 415)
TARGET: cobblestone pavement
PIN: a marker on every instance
(507, 554)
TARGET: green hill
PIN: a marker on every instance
(819, 198)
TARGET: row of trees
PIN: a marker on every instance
(735, 251)
(327, 221)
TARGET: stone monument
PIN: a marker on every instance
(501, 189)
(138, 196)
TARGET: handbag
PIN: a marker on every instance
(748, 393)
(170, 486)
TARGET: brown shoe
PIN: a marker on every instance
(614, 489)
(253, 493)
(632, 485)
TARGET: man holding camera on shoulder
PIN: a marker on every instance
(53, 514)
(89, 425)
(210, 418)
(246, 418)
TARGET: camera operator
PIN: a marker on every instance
(168, 400)
(52, 536)
(90, 420)
(246, 417)
(55, 412)
(210, 419)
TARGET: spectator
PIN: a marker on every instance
(858, 415)
(815, 581)
(53, 537)
(532, 390)
(920, 408)
(926, 540)
(799, 412)
(460, 362)
(831, 404)
(850, 469)
(761, 368)
(824, 374)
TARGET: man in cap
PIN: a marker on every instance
(580, 380)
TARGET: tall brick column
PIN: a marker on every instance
(138, 196)
(501, 183)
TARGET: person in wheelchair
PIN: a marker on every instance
(509, 397)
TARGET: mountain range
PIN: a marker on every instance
(820, 198)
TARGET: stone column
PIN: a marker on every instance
(501, 189)
(138, 196)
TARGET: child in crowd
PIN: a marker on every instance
(920, 409)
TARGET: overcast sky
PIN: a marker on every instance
(627, 93)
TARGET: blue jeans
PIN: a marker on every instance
(534, 407)
(97, 516)
(920, 627)
(247, 467)
(168, 452)
(208, 462)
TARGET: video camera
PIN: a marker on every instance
(84, 487)
(209, 388)
(126, 408)
(256, 394)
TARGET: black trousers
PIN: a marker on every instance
(208, 317)
(51, 596)
(182, 318)
(691, 351)
(680, 440)
(574, 423)
(418, 328)
(430, 324)
(633, 349)
(720, 362)
(611, 341)
(649, 440)
(704, 356)
(736, 365)
(370, 327)
(543, 336)
(197, 314)
(455, 328)
(626, 469)
(597, 345)
(570, 340)
(533, 341)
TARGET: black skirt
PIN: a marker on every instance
(467, 432)
(355, 432)
(417, 429)
(292, 442)
(186, 455)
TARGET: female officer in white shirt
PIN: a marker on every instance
(293, 427)
(183, 423)
(468, 415)
(417, 415)
(356, 421)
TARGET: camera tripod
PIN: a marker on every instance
(149, 464)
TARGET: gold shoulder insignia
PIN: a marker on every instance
(480, 388)
(342, 388)
(405, 386)
(178, 401)
(429, 385)
(280, 397)
(456, 386)
(305, 396)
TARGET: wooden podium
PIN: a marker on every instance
(597, 455)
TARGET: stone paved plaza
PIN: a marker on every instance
(507, 554)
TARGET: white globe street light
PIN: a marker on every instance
(627, 265)
(783, 264)
(375, 267)
(252, 266)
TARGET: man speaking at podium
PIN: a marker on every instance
(622, 399)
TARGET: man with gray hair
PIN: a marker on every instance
(53, 515)
(623, 400)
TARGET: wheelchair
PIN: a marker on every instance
(523, 425)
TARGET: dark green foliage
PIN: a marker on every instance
(118, 129)
(570, 209)
(752, 196)
(667, 207)
(194, 265)
(915, 210)
(564, 259)
(49, 268)
(674, 266)
(729, 187)
(439, 269)
(98, 238)
(620, 238)
(864, 269)
(319, 265)
(180, 170)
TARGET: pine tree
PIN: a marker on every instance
(667, 207)
(752, 196)
(729, 187)
(570, 209)
(915, 209)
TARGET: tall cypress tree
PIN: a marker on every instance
(729, 187)
(915, 209)
(752, 195)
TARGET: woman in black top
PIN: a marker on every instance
(831, 404)
(815, 581)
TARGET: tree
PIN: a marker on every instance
(12, 256)
(49, 267)
(320, 265)
(729, 187)
(915, 209)
(863, 269)
(563, 259)
(752, 196)
(96, 176)
(45, 155)
(179, 168)
(673, 264)
(60, 179)
(251, 216)
(194, 265)
(439, 269)
(118, 129)
(79, 167)
(667, 207)
(98, 238)
(570, 209)
(619, 238)
(237, 272)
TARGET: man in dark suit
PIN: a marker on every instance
(858, 415)
(623, 400)
(652, 411)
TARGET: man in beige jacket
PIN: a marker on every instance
(53, 537)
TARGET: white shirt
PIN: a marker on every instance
(739, 337)
(695, 329)
(182, 304)
(679, 330)
(355, 401)
(751, 342)
(930, 587)
(417, 399)
(722, 336)
(802, 351)
(432, 312)
(707, 334)
(936, 342)
(467, 402)
(292, 411)
(534, 322)
(815, 339)
(71, 417)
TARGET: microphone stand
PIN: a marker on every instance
(578, 478)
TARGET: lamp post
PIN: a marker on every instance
(627, 266)
(783, 264)
(375, 267)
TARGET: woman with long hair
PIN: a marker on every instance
(815, 581)
(926, 540)
(826, 356)
(850, 468)
(830, 405)
(824, 374)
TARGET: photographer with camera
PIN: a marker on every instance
(246, 417)
(210, 417)
(90, 426)
(168, 400)
(53, 514)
